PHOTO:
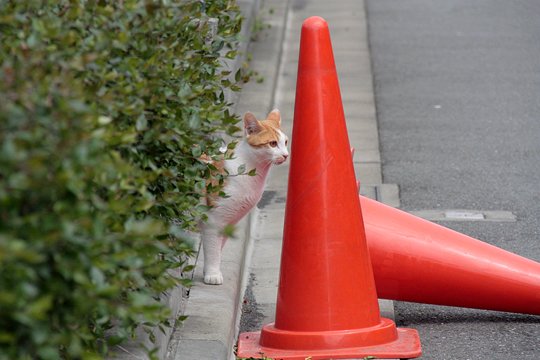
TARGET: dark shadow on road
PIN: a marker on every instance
(432, 314)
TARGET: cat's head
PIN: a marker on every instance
(266, 138)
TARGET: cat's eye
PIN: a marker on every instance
(286, 142)
(273, 143)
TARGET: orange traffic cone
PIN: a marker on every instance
(419, 261)
(321, 311)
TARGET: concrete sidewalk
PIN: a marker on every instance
(251, 262)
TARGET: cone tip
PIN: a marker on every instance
(315, 23)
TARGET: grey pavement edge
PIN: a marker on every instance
(213, 322)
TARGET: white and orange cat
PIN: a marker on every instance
(263, 144)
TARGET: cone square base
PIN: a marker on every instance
(406, 345)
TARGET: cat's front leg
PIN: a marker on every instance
(212, 241)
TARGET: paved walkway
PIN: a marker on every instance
(251, 262)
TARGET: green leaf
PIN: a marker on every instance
(196, 151)
(188, 268)
(39, 308)
(104, 120)
(229, 231)
(231, 54)
(194, 121)
(142, 123)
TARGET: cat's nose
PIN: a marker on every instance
(285, 156)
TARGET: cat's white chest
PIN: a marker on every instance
(243, 192)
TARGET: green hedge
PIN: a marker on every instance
(105, 107)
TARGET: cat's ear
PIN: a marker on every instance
(251, 124)
(275, 117)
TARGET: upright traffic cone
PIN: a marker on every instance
(327, 305)
(419, 261)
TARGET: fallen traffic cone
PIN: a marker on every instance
(321, 310)
(419, 261)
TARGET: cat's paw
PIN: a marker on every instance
(214, 278)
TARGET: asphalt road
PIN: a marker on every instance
(458, 99)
